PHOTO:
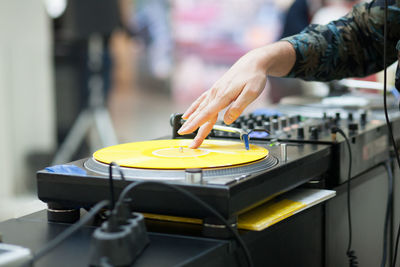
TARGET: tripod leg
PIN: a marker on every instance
(105, 127)
(74, 138)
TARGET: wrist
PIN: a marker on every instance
(276, 59)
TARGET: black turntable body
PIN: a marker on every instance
(229, 190)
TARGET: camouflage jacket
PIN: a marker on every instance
(349, 47)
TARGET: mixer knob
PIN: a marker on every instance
(293, 120)
(259, 121)
(353, 127)
(314, 133)
(267, 126)
(363, 118)
(275, 124)
(283, 122)
(350, 116)
(260, 117)
(328, 123)
(236, 124)
(250, 124)
(300, 133)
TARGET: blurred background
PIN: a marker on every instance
(78, 75)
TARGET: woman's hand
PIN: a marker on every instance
(237, 88)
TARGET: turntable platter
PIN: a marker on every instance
(175, 155)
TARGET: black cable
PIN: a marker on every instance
(111, 182)
(388, 215)
(68, 232)
(396, 152)
(351, 254)
(197, 200)
(111, 186)
(121, 173)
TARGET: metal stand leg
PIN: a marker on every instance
(74, 138)
(96, 115)
(103, 125)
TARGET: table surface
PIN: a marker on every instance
(34, 232)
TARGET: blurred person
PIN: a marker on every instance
(299, 15)
(349, 46)
(151, 22)
(332, 10)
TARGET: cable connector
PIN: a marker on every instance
(334, 131)
(121, 239)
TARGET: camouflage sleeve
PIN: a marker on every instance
(349, 47)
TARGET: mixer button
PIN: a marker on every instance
(300, 132)
(314, 133)
(350, 116)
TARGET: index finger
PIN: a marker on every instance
(193, 106)
(209, 112)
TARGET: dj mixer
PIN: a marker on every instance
(368, 136)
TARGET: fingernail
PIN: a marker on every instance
(193, 145)
(229, 120)
(182, 129)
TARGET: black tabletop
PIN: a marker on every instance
(33, 232)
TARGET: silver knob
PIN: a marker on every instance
(283, 152)
(194, 175)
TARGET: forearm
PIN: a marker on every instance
(351, 46)
(278, 58)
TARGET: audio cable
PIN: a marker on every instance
(111, 182)
(68, 232)
(396, 152)
(198, 201)
(79, 224)
(351, 254)
(389, 212)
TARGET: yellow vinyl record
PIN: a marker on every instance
(175, 154)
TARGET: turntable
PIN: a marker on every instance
(217, 160)
(220, 172)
